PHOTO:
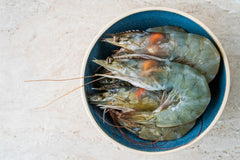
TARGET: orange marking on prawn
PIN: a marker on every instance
(139, 93)
(148, 67)
(149, 64)
(154, 38)
(111, 102)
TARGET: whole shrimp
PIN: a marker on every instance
(188, 91)
(187, 48)
(128, 99)
(154, 133)
(122, 96)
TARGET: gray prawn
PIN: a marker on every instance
(188, 95)
(178, 46)
(128, 99)
(154, 133)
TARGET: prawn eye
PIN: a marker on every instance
(116, 38)
(109, 60)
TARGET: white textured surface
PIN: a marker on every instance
(48, 39)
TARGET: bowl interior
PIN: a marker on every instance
(142, 21)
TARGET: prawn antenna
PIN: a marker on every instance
(68, 79)
(98, 69)
(104, 121)
(68, 93)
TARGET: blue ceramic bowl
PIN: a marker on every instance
(143, 19)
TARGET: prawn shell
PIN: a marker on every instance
(166, 29)
(187, 48)
(189, 92)
(153, 133)
(127, 97)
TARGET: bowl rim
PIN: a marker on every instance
(222, 52)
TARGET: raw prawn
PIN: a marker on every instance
(128, 99)
(187, 48)
(188, 95)
(154, 133)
